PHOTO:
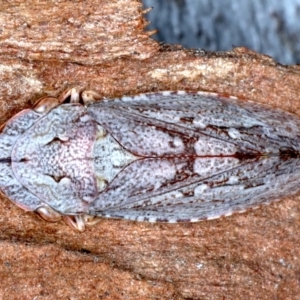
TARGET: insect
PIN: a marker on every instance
(169, 156)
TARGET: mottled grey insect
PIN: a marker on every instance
(170, 156)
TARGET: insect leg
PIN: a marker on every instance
(78, 222)
(48, 214)
(45, 104)
(73, 93)
(90, 96)
(91, 220)
(75, 222)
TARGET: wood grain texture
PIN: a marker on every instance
(48, 46)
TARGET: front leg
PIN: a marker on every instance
(45, 104)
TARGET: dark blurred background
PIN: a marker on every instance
(271, 27)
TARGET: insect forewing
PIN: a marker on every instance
(192, 156)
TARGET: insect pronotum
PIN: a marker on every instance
(169, 156)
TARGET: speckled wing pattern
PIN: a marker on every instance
(170, 156)
(198, 156)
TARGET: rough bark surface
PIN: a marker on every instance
(48, 46)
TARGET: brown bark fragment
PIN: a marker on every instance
(48, 46)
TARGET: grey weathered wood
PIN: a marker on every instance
(270, 27)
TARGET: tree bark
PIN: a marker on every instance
(47, 47)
